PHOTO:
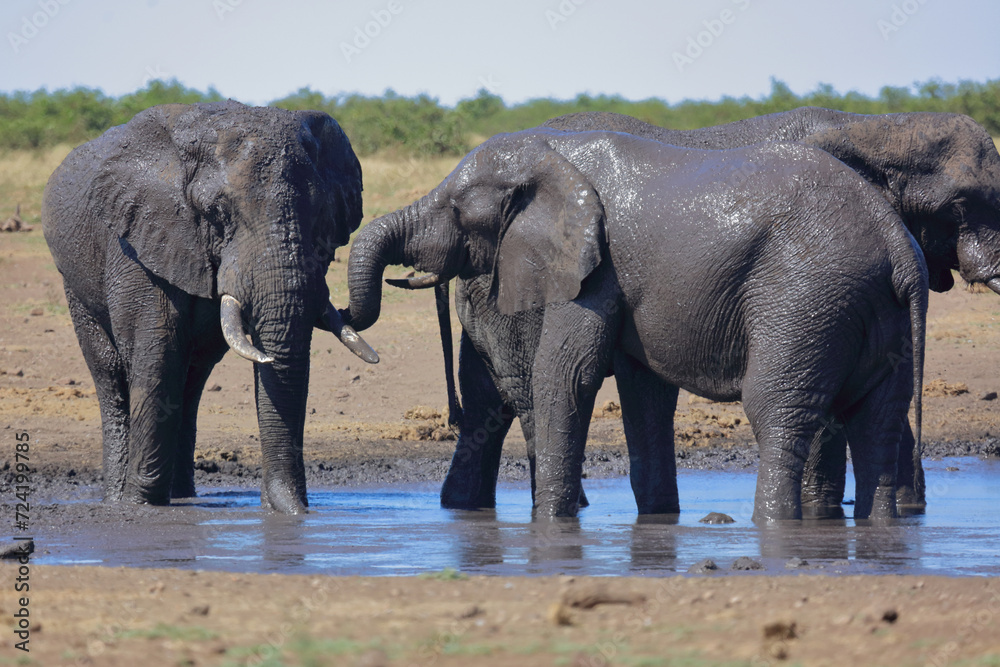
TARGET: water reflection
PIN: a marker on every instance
(486, 548)
(828, 539)
(402, 530)
(653, 542)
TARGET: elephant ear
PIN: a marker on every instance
(146, 198)
(552, 241)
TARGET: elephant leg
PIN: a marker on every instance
(472, 477)
(785, 423)
(573, 356)
(156, 334)
(182, 485)
(910, 488)
(648, 405)
(825, 474)
(156, 390)
(527, 420)
(108, 371)
(874, 428)
(208, 349)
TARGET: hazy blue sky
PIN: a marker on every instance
(257, 50)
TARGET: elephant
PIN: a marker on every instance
(937, 170)
(187, 231)
(773, 274)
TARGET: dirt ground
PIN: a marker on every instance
(392, 411)
(121, 617)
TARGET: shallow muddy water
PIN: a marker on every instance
(402, 530)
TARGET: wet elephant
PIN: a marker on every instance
(714, 271)
(190, 230)
(940, 172)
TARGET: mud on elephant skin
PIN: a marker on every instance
(940, 172)
(773, 274)
(190, 230)
(949, 157)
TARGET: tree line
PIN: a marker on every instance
(421, 126)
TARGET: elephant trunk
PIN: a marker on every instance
(381, 243)
(279, 300)
(281, 412)
(281, 389)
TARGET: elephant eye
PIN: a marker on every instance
(958, 208)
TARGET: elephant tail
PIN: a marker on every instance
(914, 292)
(444, 321)
(918, 327)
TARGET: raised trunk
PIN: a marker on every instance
(381, 243)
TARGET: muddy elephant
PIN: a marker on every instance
(190, 230)
(773, 274)
(940, 172)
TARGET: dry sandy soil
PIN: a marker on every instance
(357, 414)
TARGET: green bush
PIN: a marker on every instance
(421, 126)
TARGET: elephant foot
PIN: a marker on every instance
(138, 496)
(559, 509)
(583, 502)
(668, 507)
(822, 511)
(183, 489)
(773, 512)
(458, 504)
(881, 508)
(281, 497)
(908, 497)
(455, 497)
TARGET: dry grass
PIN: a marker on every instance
(22, 180)
(392, 182)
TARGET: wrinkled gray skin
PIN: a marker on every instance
(772, 274)
(150, 225)
(940, 172)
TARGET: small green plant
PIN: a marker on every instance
(302, 651)
(447, 574)
(165, 631)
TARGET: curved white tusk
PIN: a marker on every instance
(230, 312)
(348, 336)
(417, 282)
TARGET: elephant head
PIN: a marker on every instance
(503, 211)
(244, 206)
(941, 172)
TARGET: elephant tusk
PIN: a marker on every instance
(994, 284)
(347, 335)
(230, 312)
(419, 282)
